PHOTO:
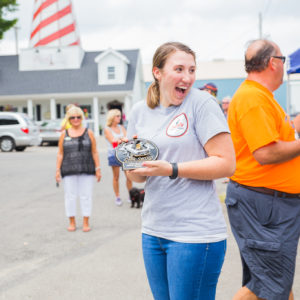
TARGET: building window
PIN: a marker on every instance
(111, 72)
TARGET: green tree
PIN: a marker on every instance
(6, 7)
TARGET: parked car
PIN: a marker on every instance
(17, 132)
(50, 131)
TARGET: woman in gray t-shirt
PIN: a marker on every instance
(184, 232)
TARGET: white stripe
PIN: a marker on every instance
(46, 31)
(63, 3)
(68, 39)
(47, 12)
(65, 21)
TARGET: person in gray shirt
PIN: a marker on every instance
(183, 228)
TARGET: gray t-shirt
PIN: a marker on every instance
(183, 210)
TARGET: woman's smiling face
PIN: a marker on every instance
(75, 120)
(176, 78)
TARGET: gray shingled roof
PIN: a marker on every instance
(85, 79)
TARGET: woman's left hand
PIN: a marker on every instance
(154, 168)
(98, 175)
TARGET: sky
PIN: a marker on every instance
(214, 29)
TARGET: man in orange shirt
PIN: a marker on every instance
(263, 195)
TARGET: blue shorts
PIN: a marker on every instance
(267, 230)
(112, 161)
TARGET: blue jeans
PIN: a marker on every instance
(182, 271)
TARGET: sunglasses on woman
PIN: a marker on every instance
(75, 117)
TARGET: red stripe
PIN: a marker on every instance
(51, 19)
(56, 35)
(75, 43)
(43, 6)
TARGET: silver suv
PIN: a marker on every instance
(17, 132)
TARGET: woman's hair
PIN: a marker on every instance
(258, 62)
(75, 110)
(111, 115)
(69, 106)
(159, 60)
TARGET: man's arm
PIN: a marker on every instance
(277, 152)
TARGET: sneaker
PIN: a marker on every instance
(129, 200)
(118, 201)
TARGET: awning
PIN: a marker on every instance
(294, 62)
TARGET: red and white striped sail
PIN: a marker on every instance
(53, 24)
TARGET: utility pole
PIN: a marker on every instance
(260, 25)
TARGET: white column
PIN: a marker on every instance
(127, 106)
(96, 116)
(30, 109)
(52, 109)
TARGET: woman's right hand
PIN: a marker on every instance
(98, 175)
(57, 176)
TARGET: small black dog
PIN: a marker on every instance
(137, 197)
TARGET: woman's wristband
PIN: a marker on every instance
(97, 168)
(174, 171)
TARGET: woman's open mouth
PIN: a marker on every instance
(181, 90)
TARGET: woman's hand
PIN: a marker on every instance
(98, 175)
(57, 176)
(154, 168)
(125, 139)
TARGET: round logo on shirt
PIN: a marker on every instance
(178, 126)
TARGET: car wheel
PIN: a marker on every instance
(7, 144)
(21, 148)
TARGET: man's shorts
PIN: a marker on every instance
(267, 230)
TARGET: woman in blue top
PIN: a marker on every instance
(184, 231)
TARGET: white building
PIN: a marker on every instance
(55, 71)
(105, 79)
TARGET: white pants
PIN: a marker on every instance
(78, 186)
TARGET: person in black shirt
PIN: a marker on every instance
(77, 163)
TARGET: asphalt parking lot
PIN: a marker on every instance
(40, 259)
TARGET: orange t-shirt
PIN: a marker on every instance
(255, 120)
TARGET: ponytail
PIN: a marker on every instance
(153, 95)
